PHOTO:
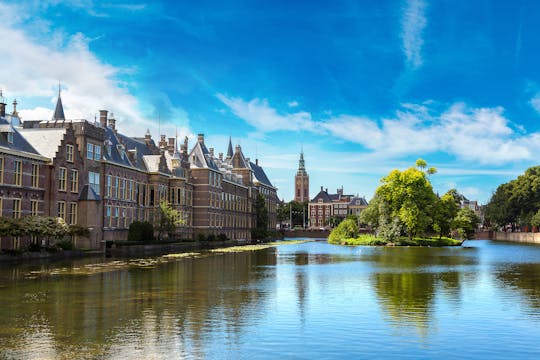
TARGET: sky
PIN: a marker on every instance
(362, 87)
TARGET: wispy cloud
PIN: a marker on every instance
(413, 23)
(482, 135)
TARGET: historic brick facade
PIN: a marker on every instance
(90, 174)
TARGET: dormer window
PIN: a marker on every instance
(121, 150)
(10, 137)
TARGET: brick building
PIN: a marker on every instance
(90, 174)
(325, 209)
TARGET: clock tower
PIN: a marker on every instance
(301, 181)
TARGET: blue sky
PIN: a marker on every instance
(363, 86)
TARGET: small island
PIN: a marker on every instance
(405, 211)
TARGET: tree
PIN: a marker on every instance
(446, 208)
(409, 197)
(261, 218)
(169, 219)
(465, 223)
(347, 229)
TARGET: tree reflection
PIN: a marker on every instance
(409, 279)
(525, 279)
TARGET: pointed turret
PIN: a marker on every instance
(59, 110)
(230, 152)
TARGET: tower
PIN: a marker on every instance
(301, 181)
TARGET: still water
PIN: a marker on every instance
(295, 301)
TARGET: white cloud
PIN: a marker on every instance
(413, 22)
(482, 135)
(293, 103)
(33, 67)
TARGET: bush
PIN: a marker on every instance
(141, 231)
(65, 244)
(201, 237)
(211, 237)
(347, 229)
(222, 237)
(34, 247)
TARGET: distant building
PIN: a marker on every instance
(301, 181)
(327, 209)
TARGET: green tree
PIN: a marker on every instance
(465, 223)
(347, 229)
(261, 218)
(169, 219)
(445, 210)
(409, 197)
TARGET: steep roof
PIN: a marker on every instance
(230, 152)
(19, 142)
(202, 157)
(260, 175)
(140, 148)
(59, 110)
(358, 201)
(45, 140)
(87, 193)
(322, 195)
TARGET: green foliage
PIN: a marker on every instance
(295, 209)
(169, 219)
(222, 237)
(78, 230)
(371, 240)
(261, 218)
(201, 237)
(39, 226)
(516, 201)
(535, 220)
(409, 197)
(211, 237)
(345, 230)
(445, 210)
(466, 223)
(65, 244)
(141, 231)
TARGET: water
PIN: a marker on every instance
(297, 301)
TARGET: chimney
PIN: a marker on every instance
(163, 142)
(148, 138)
(171, 147)
(321, 188)
(2, 105)
(257, 162)
(112, 122)
(103, 117)
(200, 138)
(211, 152)
(221, 156)
(326, 191)
(132, 155)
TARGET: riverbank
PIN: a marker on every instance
(47, 255)
(371, 240)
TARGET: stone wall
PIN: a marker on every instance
(523, 237)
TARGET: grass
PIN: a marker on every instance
(257, 246)
(372, 240)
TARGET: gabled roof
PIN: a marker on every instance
(116, 155)
(361, 201)
(202, 157)
(322, 195)
(45, 140)
(260, 175)
(238, 160)
(19, 142)
(139, 146)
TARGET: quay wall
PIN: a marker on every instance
(521, 237)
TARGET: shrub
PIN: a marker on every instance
(346, 229)
(65, 244)
(211, 237)
(141, 231)
(222, 237)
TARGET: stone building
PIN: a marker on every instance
(301, 181)
(88, 173)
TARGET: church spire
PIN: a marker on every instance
(59, 110)
(301, 163)
(230, 152)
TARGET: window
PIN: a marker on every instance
(72, 213)
(10, 137)
(69, 153)
(61, 210)
(123, 189)
(35, 175)
(16, 208)
(34, 207)
(90, 151)
(17, 172)
(130, 191)
(93, 180)
(108, 215)
(1, 170)
(74, 181)
(115, 187)
(108, 190)
(97, 152)
(62, 174)
(1, 206)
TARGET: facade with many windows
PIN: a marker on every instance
(88, 173)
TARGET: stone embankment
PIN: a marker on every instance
(521, 237)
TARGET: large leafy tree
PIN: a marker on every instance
(445, 210)
(409, 197)
(261, 218)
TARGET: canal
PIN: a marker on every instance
(299, 301)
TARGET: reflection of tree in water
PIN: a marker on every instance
(409, 280)
(525, 279)
(186, 300)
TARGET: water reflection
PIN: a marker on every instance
(407, 281)
(525, 280)
(109, 313)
